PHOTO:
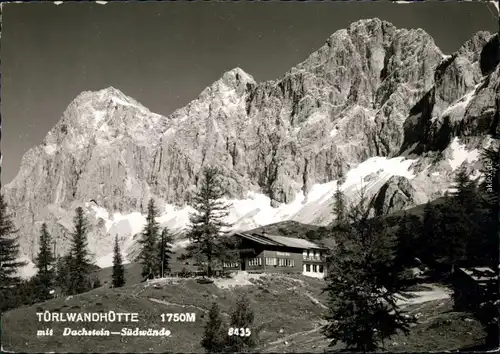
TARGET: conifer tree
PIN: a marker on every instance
(164, 252)
(362, 285)
(243, 338)
(460, 224)
(206, 230)
(431, 222)
(489, 314)
(80, 266)
(9, 250)
(407, 240)
(63, 265)
(118, 269)
(214, 336)
(339, 206)
(45, 263)
(149, 242)
(490, 192)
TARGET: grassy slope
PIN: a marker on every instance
(288, 313)
(438, 329)
(280, 302)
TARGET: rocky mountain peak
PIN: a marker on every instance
(371, 92)
(105, 113)
(237, 77)
(473, 47)
(231, 86)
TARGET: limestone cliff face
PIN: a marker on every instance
(345, 103)
(371, 90)
(463, 101)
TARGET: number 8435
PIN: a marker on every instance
(242, 332)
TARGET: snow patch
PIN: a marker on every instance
(169, 131)
(50, 148)
(460, 154)
(180, 244)
(99, 115)
(134, 222)
(102, 214)
(107, 260)
(28, 270)
(384, 169)
(315, 118)
(175, 218)
(457, 109)
(333, 132)
(255, 209)
(119, 101)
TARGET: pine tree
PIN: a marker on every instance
(164, 252)
(461, 226)
(465, 188)
(79, 270)
(339, 206)
(431, 231)
(9, 250)
(242, 318)
(208, 244)
(490, 191)
(63, 265)
(214, 336)
(45, 263)
(118, 269)
(362, 285)
(407, 240)
(148, 255)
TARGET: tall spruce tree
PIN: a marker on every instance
(339, 206)
(80, 266)
(460, 224)
(206, 230)
(490, 192)
(242, 318)
(431, 231)
(362, 285)
(118, 269)
(63, 265)
(45, 262)
(465, 192)
(164, 252)
(214, 337)
(489, 313)
(149, 242)
(9, 251)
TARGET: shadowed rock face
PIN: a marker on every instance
(396, 194)
(371, 90)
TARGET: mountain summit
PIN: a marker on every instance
(380, 107)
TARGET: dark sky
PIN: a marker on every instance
(165, 54)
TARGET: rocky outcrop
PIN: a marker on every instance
(462, 103)
(371, 90)
(395, 195)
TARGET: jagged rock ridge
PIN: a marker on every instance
(371, 90)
